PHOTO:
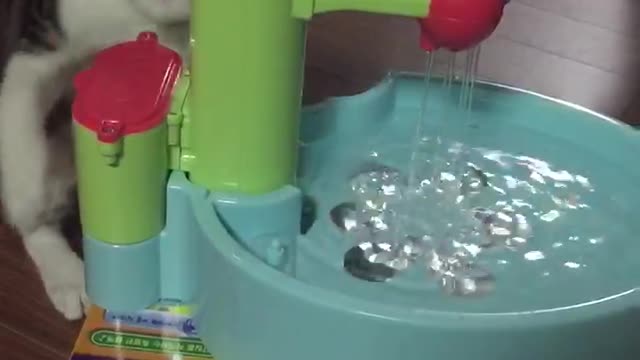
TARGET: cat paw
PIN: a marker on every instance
(66, 290)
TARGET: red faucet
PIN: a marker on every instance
(459, 24)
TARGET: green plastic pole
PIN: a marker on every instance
(305, 9)
(246, 92)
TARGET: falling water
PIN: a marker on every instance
(461, 211)
(394, 210)
(469, 79)
(449, 179)
(461, 111)
(430, 57)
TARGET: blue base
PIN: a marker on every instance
(234, 258)
(123, 277)
(130, 278)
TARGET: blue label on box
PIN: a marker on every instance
(155, 320)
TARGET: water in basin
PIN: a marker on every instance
(508, 210)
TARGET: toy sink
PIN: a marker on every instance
(210, 187)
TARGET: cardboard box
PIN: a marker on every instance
(164, 332)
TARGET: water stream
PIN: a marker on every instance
(465, 213)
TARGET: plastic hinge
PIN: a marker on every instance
(176, 121)
(185, 135)
(186, 160)
(186, 155)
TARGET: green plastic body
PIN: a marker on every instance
(121, 189)
(305, 9)
(245, 95)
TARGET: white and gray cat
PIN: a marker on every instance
(45, 43)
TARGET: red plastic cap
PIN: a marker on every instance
(128, 88)
(459, 24)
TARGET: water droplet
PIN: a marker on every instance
(413, 247)
(503, 227)
(596, 241)
(378, 189)
(468, 280)
(448, 188)
(534, 255)
(474, 181)
(550, 216)
(344, 216)
(523, 229)
(572, 265)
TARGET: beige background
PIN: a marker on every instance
(584, 51)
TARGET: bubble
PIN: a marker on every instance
(470, 281)
(376, 226)
(534, 255)
(447, 188)
(413, 247)
(343, 216)
(502, 228)
(474, 181)
(385, 254)
(457, 276)
(447, 216)
(378, 189)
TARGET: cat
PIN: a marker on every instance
(46, 42)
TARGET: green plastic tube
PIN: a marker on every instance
(122, 187)
(245, 94)
(305, 9)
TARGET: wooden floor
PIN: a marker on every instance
(582, 50)
(29, 327)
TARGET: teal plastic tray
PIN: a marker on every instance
(316, 310)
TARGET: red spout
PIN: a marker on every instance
(459, 24)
